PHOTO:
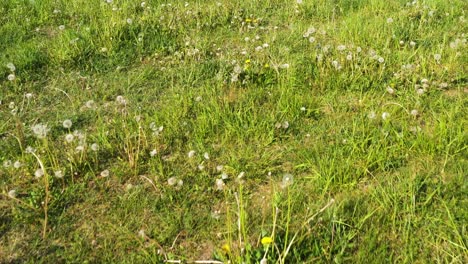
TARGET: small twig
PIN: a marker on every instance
(175, 239)
(150, 181)
(239, 219)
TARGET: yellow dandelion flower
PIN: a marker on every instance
(226, 248)
(266, 240)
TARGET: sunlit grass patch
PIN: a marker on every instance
(250, 132)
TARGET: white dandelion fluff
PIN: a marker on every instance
(390, 90)
(58, 174)
(40, 130)
(67, 123)
(172, 181)
(95, 147)
(7, 163)
(105, 173)
(69, 138)
(288, 180)
(38, 173)
(17, 164)
(385, 115)
(12, 193)
(153, 152)
(11, 66)
(191, 154)
(219, 184)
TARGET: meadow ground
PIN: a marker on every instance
(273, 131)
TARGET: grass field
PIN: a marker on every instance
(273, 131)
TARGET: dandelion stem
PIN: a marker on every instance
(47, 196)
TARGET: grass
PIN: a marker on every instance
(243, 131)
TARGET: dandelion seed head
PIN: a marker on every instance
(437, 57)
(141, 233)
(191, 154)
(11, 77)
(17, 164)
(105, 173)
(79, 148)
(336, 64)
(90, 104)
(129, 21)
(40, 130)
(389, 20)
(38, 173)
(58, 174)
(69, 138)
(420, 91)
(385, 115)
(121, 100)
(61, 27)
(312, 39)
(381, 60)
(414, 112)
(390, 90)
(172, 181)
(12, 193)
(7, 163)
(11, 66)
(341, 47)
(219, 184)
(443, 85)
(412, 43)
(30, 149)
(67, 123)
(95, 147)
(153, 152)
(288, 179)
(372, 115)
